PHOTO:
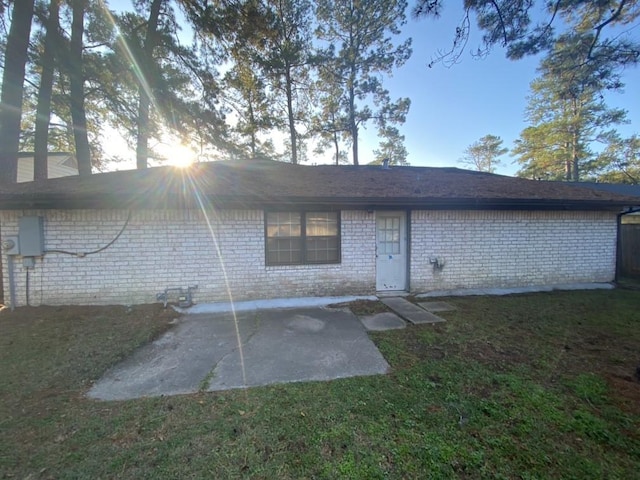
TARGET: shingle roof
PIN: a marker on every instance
(268, 183)
(619, 188)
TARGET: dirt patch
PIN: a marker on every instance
(496, 356)
(363, 307)
(611, 357)
(424, 350)
(626, 392)
(135, 313)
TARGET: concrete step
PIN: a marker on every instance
(383, 321)
(434, 307)
(409, 311)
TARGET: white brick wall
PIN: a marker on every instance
(509, 249)
(171, 248)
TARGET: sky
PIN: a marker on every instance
(453, 107)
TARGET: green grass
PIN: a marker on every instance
(527, 386)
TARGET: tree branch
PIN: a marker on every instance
(502, 25)
(599, 28)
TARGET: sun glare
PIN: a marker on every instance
(177, 154)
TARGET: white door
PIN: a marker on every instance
(391, 251)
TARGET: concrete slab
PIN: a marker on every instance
(409, 311)
(178, 361)
(301, 345)
(392, 293)
(437, 306)
(202, 353)
(268, 304)
(510, 291)
(383, 321)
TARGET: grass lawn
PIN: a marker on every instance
(525, 386)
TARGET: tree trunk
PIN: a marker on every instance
(253, 141)
(567, 162)
(78, 114)
(292, 123)
(13, 88)
(573, 164)
(43, 110)
(146, 86)
(336, 143)
(353, 127)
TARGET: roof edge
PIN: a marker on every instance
(50, 201)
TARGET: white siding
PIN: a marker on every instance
(58, 165)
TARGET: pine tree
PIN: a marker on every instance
(15, 60)
(391, 148)
(361, 51)
(557, 146)
(147, 83)
(77, 91)
(529, 27)
(484, 154)
(621, 161)
(251, 108)
(50, 48)
(286, 60)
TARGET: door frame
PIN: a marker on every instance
(406, 218)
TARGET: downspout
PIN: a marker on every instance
(630, 210)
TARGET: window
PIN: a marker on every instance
(389, 235)
(295, 238)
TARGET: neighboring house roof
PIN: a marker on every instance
(59, 164)
(619, 188)
(246, 184)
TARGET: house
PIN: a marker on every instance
(59, 164)
(261, 229)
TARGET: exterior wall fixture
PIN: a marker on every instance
(438, 263)
(185, 295)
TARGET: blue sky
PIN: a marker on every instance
(453, 107)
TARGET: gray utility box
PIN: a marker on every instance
(31, 236)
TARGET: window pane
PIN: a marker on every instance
(283, 224)
(322, 249)
(321, 224)
(322, 242)
(388, 236)
(283, 251)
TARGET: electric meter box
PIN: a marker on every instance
(31, 236)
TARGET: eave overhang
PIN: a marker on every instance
(46, 201)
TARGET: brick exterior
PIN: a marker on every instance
(223, 253)
(511, 249)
